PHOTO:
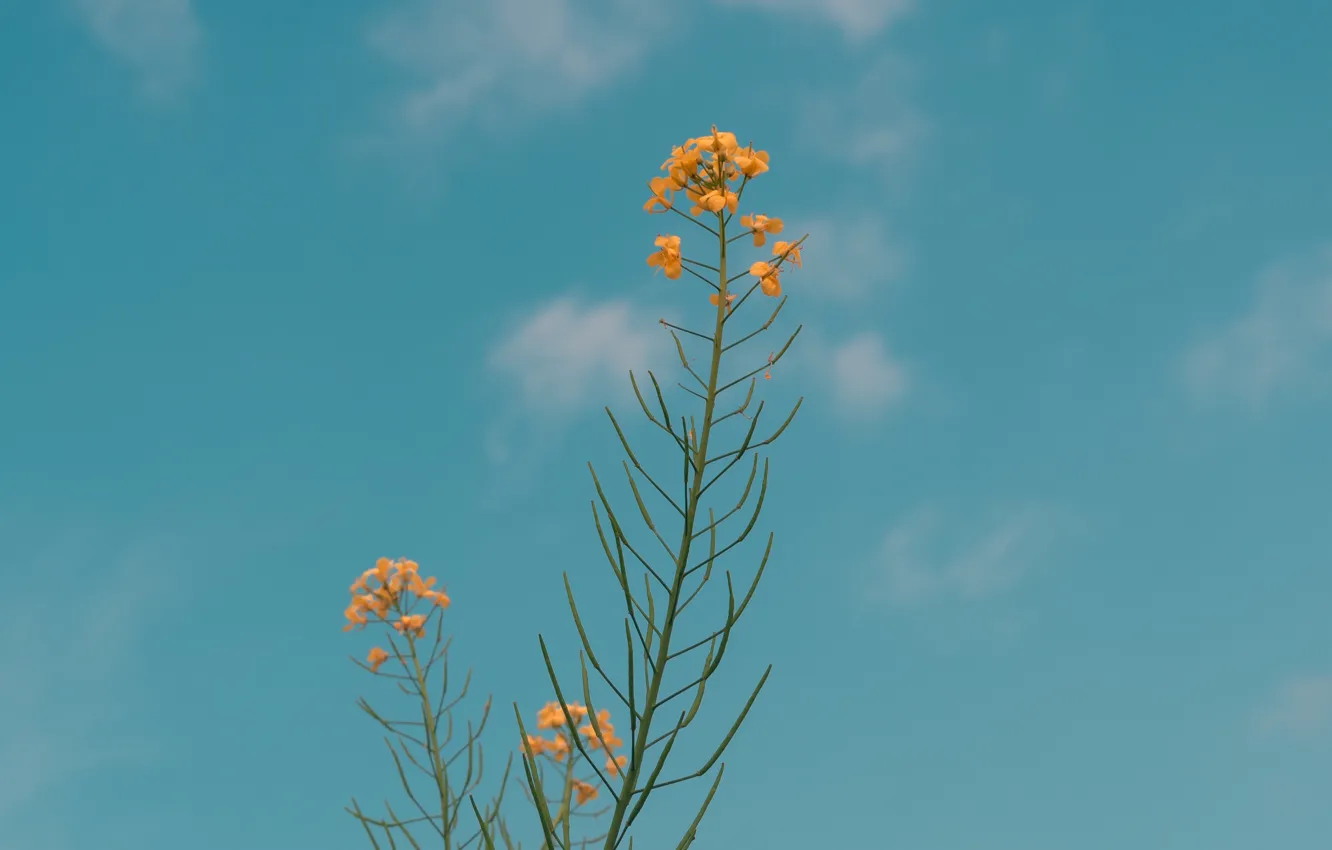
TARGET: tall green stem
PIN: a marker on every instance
(433, 746)
(682, 557)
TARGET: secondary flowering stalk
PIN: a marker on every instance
(713, 172)
(389, 594)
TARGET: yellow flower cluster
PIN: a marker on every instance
(551, 716)
(705, 169)
(380, 591)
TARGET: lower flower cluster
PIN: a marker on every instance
(551, 716)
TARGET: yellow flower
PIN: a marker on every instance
(751, 163)
(769, 281)
(607, 732)
(762, 226)
(694, 196)
(551, 716)
(663, 193)
(683, 162)
(559, 747)
(714, 200)
(413, 624)
(537, 743)
(376, 657)
(376, 602)
(356, 611)
(668, 258)
(787, 251)
(721, 143)
(584, 791)
(355, 617)
(616, 764)
(437, 597)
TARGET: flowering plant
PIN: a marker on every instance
(713, 172)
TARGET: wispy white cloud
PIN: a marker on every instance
(1301, 708)
(159, 39)
(85, 613)
(1280, 348)
(66, 712)
(866, 378)
(492, 62)
(565, 349)
(563, 360)
(875, 120)
(849, 255)
(863, 376)
(859, 20)
(916, 565)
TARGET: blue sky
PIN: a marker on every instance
(285, 291)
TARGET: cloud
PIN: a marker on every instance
(859, 20)
(565, 349)
(865, 377)
(1301, 708)
(66, 713)
(159, 39)
(876, 123)
(862, 374)
(1280, 348)
(848, 255)
(563, 360)
(87, 608)
(914, 566)
(488, 62)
